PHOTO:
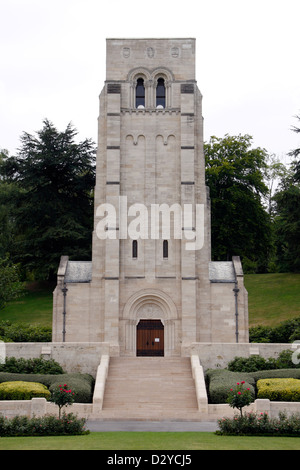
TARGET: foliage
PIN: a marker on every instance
(62, 396)
(37, 365)
(81, 384)
(287, 389)
(260, 424)
(20, 390)
(295, 153)
(68, 424)
(255, 363)
(239, 396)
(287, 225)
(21, 333)
(240, 224)
(10, 285)
(286, 332)
(219, 381)
(53, 210)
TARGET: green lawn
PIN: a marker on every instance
(34, 308)
(273, 298)
(150, 441)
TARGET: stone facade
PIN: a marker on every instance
(150, 153)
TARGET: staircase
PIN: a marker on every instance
(150, 388)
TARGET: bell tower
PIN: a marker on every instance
(151, 287)
(151, 155)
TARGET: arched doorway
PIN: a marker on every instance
(147, 306)
(150, 338)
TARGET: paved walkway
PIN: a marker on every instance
(152, 426)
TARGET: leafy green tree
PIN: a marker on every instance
(287, 225)
(53, 209)
(240, 223)
(295, 153)
(10, 285)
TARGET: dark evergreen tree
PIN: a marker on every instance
(53, 209)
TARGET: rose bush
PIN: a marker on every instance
(239, 397)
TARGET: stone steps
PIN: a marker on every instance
(150, 388)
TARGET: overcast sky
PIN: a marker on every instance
(52, 63)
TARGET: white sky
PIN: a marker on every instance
(52, 63)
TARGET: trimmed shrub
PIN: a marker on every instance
(19, 390)
(220, 381)
(69, 424)
(279, 389)
(81, 384)
(37, 365)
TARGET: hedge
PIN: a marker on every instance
(36, 365)
(19, 390)
(69, 424)
(252, 424)
(81, 384)
(220, 381)
(279, 389)
(23, 333)
(257, 362)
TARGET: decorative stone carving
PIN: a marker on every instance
(150, 52)
(175, 52)
(126, 52)
(149, 311)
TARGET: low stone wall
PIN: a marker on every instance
(41, 407)
(73, 357)
(93, 358)
(217, 355)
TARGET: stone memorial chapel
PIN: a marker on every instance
(155, 293)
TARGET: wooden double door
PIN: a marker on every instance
(150, 338)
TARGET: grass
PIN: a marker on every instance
(117, 441)
(273, 298)
(34, 308)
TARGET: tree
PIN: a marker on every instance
(240, 224)
(53, 210)
(10, 286)
(295, 153)
(62, 396)
(239, 397)
(287, 225)
(287, 215)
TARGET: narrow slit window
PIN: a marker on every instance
(165, 249)
(161, 93)
(134, 249)
(140, 93)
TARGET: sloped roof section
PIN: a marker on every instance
(221, 271)
(79, 271)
